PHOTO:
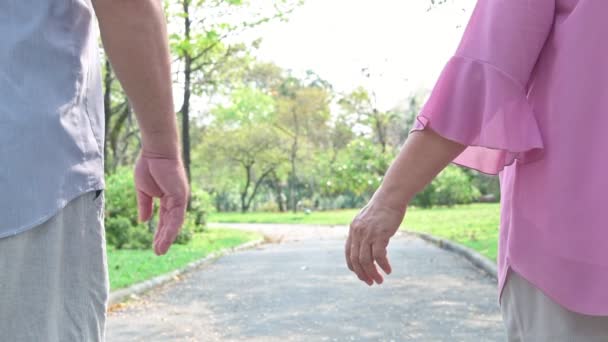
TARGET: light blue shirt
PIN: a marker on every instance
(51, 109)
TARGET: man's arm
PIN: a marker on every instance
(422, 157)
(134, 34)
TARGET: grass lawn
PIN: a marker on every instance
(475, 225)
(317, 217)
(127, 267)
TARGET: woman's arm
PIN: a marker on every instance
(478, 114)
(422, 157)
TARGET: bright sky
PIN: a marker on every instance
(404, 45)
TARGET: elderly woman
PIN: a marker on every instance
(525, 96)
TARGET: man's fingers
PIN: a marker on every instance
(380, 256)
(172, 223)
(144, 206)
(347, 254)
(160, 228)
(367, 262)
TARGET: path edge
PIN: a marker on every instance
(478, 260)
(122, 295)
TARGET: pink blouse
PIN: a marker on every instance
(527, 92)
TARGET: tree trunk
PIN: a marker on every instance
(278, 188)
(294, 155)
(257, 186)
(244, 203)
(107, 102)
(115, 135)
(380, 130)
(185, 110)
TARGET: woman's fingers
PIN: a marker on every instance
(354, 260)
(379, 254)
(347, 254)
(367, 263)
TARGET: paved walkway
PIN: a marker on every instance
(301, 290)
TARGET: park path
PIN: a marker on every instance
(300, 290)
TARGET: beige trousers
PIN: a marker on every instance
(53, 277)
(530, 316)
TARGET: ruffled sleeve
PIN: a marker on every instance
(480, 99)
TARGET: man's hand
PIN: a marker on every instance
(165, 178)
(368, 239)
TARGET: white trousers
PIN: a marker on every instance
(530, 316)
(53, 278)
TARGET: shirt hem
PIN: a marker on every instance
(98, 185)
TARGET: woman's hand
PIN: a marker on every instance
(368, 239)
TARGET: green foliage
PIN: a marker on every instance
(188, 229)
(122, 229)
(248, 107)
(358, 169)
(452, 186)
(201, 206)
(489, 186)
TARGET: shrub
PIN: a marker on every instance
(188, 230)
(451, 187)
(270, 206)
(489, 186)
(201, 206)
(122, 229)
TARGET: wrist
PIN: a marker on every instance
(393, 197)
(162, 145)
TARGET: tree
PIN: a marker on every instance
(243, 133)
(122, 139)
(201, 48)
(363, 107)
(359, 170)
(303, 115)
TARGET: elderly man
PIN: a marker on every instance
(53, 282)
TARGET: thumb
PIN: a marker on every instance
(144, 206)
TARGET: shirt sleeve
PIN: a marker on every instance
(480, 99)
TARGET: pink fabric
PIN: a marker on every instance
(527, 90)
(499, 123)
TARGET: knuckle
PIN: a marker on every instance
(365, 261)
(380, 254)
(356, 224)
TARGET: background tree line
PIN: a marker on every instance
(259, 137)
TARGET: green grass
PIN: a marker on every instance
(127, 267)
(317, 217)
(475, 225)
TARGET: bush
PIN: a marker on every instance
(201, 206)
(188, 230)
(489, 186)
(270, 206)
(117, 231)
(122, 229)
(451, 187)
